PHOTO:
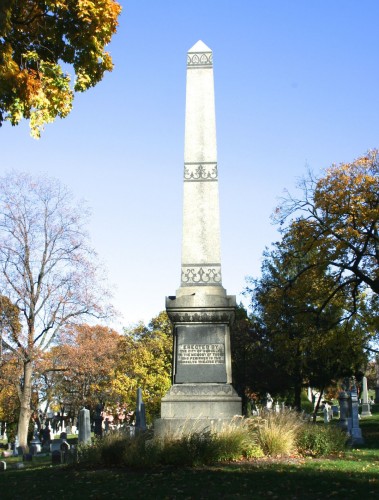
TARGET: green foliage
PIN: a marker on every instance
(320, 440)
(306, 405)
(145, 355)
(308, 339)
(89, 453)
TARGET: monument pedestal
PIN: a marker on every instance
(189, 408)
(366, 410)
(202, 397)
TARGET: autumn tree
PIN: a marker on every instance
(39, 40)
(78, 371)
(10, 326)
(308, 340)
(145, 361)
(337, 216)
(47, 269)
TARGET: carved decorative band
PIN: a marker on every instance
(201, 275)
(225, 317)
(200, 171)
(200, 59)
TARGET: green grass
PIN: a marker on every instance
(352, 475)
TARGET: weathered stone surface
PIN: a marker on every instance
(189, 408)
(84, 426)
(211, 401)
(200, 353)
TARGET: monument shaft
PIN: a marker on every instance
(201, 259)
(202, 395)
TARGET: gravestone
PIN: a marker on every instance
(16, 446)
(343, 399)
(140, 412)
(84, 426)
(326, 413)
(56, 457)
(35, 444)
(355, 432)
(202, 396)
(55, 445)
(69, 427)
(366, 407)
(64, 449)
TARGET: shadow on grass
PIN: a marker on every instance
(295, 481)
(350, 477)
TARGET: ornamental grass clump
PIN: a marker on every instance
(234, 441)
(277, 432)
(238, 439)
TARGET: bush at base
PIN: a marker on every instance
(272, 434)
(320, 440)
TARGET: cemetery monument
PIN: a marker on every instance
(201, 396)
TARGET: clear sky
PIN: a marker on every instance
(296, 84)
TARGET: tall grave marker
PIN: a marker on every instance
(201, 396)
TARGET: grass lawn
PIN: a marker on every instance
(355, 475)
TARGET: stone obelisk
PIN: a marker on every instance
(201, 396)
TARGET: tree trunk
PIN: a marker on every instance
(317, 405)
(297, 396)
(298, 385)
(25, 395)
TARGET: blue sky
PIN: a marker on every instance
(296, 84)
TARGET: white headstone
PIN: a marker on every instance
(366, 407)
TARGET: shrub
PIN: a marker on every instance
(112, 448)
(232, 442)
(89, 453)
(319, 440)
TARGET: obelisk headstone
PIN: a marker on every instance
(84, 435)
(140, 412)
(202, 396)
(366, 407)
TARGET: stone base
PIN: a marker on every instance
(197, 408)
(356, 436)
(176, 427)
(366, 410)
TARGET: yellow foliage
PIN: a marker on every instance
(32, 83)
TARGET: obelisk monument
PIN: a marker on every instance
(201, 396)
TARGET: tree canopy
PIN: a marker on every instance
(304, 339)
(145, 355)
(38, 39)
(78, 370)
(47, 269)
(337, 219)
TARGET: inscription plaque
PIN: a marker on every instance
(201, 354)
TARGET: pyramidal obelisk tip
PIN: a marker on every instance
(200, 47)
